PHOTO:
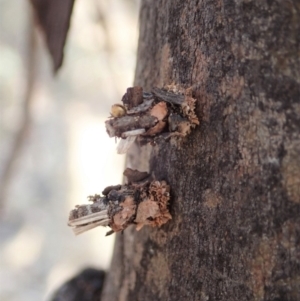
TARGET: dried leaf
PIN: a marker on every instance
(147, 211)
(159, 111)
(122, 218)
(156, 129)
(154, 211)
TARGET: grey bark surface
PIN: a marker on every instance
(235, 181)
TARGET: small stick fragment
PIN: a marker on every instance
(117, 126)
(173, 98)
(140, 202)
(143, 107)
(133, 133)
(133, 97)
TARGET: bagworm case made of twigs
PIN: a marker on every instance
(142, 201)
(147, 116)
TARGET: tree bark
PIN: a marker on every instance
(235, 181)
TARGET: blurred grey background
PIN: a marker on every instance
(66, 154)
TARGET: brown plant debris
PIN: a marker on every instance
(142, 201)
(147, 116)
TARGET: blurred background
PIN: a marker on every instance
(54, 150)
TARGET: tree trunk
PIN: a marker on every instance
(235, 181)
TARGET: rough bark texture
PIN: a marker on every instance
(235, 183)
(54, 19)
